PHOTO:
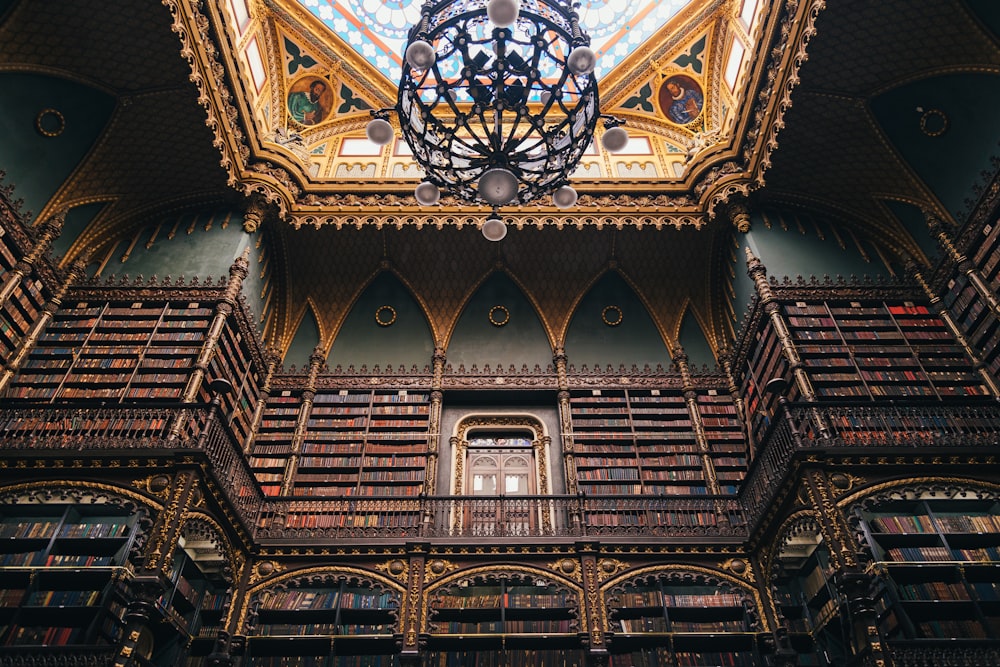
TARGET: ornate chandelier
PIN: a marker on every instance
(498, 102)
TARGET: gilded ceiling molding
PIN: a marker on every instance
(208, 73)
(619, 84)
(797, 28)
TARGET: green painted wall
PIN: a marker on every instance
(194, 251)
(696, 346)
(38, 165)
(362, 341)
(77, 219)
(987, 11)
(948, 163)
(305, 341)
(634, 342)
(792, 253)
(913, 220)
(521, 341)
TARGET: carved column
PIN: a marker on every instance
(221, 655)
(854, 585)
(939, 308)
(434, 423)
(725, 358)
(691, 399)
(237, 274)
(301, 425)
(139, 615)
(271, 360)
(166, 530)
(594, 612)
(413, 610)
(47, 232)
(739, 214)
(13, 364)
(867, 642)
(565, 421)
(963, 263)
(758, 273)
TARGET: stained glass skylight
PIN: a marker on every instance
(377, 29)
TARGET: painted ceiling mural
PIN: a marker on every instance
(675, 70)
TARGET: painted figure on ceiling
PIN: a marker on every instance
(681, 99)
(307, 102)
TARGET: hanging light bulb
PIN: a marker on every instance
(503, 13)
(379, 131)
(614, 139)
(564, 197)
(494, 229)
(427, 194)
(498, 186)
(582, 60)
(420, 54)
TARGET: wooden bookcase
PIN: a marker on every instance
(357, 443)
(806, 600)
(665, 621)
(24, 305)
(59, 567)
(643, 442)
(233, 360)
(980, 324)
(343, 623)
(880, 349)
(516, 621)
(113, 352)
(272, 445)
(940, 560)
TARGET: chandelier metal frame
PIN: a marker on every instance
(489, 99)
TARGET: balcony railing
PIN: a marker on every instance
(863, 429)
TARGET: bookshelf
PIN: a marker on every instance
(22, 309)
(806, 599)
(678, 621)
(940, 560)
(877, 349)
(60, 568)
(364, 443)
(643, 442)
(272, 446)
(323, 621)
(968, 309)
(516, 620)
(233, 360)
(113, 351)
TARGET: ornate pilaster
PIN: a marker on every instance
(937, 305)
(593, 606)
(27, 343)
(725, 359)
(305, 409)
(758, 273)
(166, 530)
(139, 615)
(47, 232)
(739, 214)
(434, 422)
(271, 360)
(963, 263)
(832, 524)
(412, 610)
(256, 214)
(856, 588)
(565, 421)
(680, 359)
(238, 272)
